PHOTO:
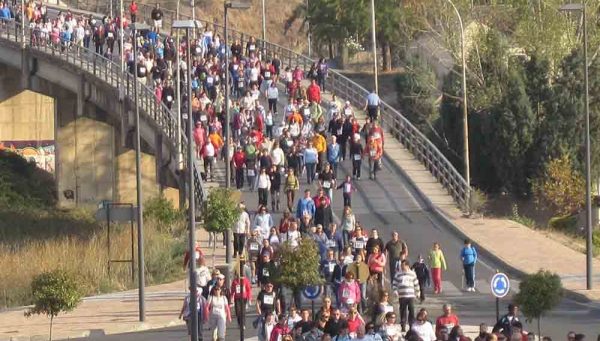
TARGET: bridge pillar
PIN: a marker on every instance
(85, 154)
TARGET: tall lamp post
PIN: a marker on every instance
(580, 8)
(264, 26)
(374, 38)
(227, 7)
(467, 170)
(189, 25)
(138, 177)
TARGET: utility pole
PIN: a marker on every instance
(374, 38)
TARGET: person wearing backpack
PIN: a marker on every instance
(468, 255)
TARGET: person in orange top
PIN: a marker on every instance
(216, 140)
(133, 9)
(296, 117)
(375, 152)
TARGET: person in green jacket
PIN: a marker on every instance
(437, 263)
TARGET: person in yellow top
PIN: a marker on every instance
(437, 263)
(320, 144)
(216, 140)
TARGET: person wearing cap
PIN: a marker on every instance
(241, 230)
(267, 300)
(423, 275)
(356, 153)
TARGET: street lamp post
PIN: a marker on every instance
(138, 178)
(588, 177)
(264, 26)
(309, 35)
(374, 37)
(189, 25)
(467, 170)
(227, 7)
(178, 96)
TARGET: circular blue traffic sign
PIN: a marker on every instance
(311, 291)
(500, 285)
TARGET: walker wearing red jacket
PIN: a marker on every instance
(199, 254)
(241, 292)
(313, 93)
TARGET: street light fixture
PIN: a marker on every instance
(580, 8)
(138, 177)
(467, 170)
(188, 25)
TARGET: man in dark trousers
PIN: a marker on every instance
(422, 271)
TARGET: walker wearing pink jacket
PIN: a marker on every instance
(349, 292)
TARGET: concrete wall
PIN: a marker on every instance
(85, 156)
(28, 116)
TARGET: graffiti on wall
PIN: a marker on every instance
(41, 152)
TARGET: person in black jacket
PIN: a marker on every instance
(356, 152)
(275, 177)
(422, 271)
(507, 322)
(323, 213)
(344, 138)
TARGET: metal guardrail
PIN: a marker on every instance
(110, 73)
(392, 120)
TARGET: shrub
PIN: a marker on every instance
(478, 202)
(567, 223)
(162, 211)
(562, 188)
(521, 219)
(24, 185)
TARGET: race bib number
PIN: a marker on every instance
(251, 172)
(198, 50)
(210, 80)
(376, 135)
(240, 84)
(110, 35)
(268, 300)
(347, 188)
(169, 98)
(331, 244)
(253, 247)
(359, 244)
(265, 272)
(390, 309)
(331, 266)
(203, 118)
(357, 157)
(327, 184)
(238, 289)
(339, 131)
(252, 47)
(197, 255)
(267, 74)
(346, 293)
(143, 70)
(306, 112)
(372, 153)
(348, 112)
(235, 67)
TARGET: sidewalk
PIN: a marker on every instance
(114, 313)
(520, 249)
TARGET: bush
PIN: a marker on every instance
(567, 223)
(562, 188)
(521, 219)
(596, 242)
(24, 185)
(478, 202)
(162, 211)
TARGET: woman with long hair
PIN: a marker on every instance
(348, 224)
(437, 263)
(217, 313)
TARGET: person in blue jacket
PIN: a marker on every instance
(306, 206)
(468, 255)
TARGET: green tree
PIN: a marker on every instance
(299, 267)
(220, 212)
(416, 93)
(561, 188)
(513, 125)
(538, 294)
(53, 293)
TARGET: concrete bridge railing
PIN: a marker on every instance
(122, 83)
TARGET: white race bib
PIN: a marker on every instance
(346, 294)
(359, 244)
(372, 153)
(327, 184)
(331, 244)
(347, 188)
(252, 47)
(253, 247)
(169, 98)
(265, 272)
(267, 74)
(389, 309)
(197, 255)
(306, 112)
(339, 131)
(357, 157)
(210, 80)
(331, 266)
(251, 172)
(203, 118)
(110, 35)
(238, 289)
(235, 67)
(268, 300)
(348, 112)
(241, 84)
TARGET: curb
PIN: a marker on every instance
(511, 270)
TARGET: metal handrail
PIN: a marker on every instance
(392, 120)
(110, 73)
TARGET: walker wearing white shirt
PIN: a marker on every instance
(422, 327)
(241, 230)
(263, 184)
